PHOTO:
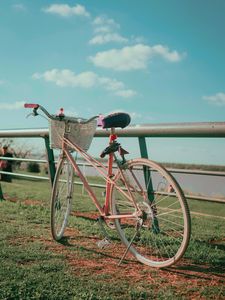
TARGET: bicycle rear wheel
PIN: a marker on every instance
(158, 233)
(61, 198)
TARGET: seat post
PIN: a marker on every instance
(113, 135)
(112, 130)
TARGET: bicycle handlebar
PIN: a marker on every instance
(60, 117)
(31, 105)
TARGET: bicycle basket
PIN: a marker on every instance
(78, 133)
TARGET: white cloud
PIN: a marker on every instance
(172, 56)
(12, 106)
(127, 58)
(19, 7)
(106, 31)
(126, 93)
(111, 84)
(138, 39)
(65, 10)
(107, 38)
(104, 21)
(102, 29)
(133, 57)
(217, 99)
(2, 82)
(67, 78)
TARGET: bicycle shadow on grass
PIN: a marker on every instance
(107, 253)
(199, 265)
(184, 268)
(199, 271)
(189, 270)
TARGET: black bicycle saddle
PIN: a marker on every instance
(115, 120)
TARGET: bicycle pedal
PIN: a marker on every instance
(103, 243)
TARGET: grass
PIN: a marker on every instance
(32, 266)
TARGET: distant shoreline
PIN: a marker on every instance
(186, 166)
(194, 166)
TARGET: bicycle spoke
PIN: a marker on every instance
(61, 198)
(162, 219)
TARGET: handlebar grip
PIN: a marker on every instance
(31, 105)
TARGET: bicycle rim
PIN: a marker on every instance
(61, 198)
(159, 231)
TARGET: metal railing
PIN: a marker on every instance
(173, 130)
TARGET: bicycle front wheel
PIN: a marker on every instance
(158, 231)
(61, 198)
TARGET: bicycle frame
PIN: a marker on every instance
(135, 211)
(106, 172)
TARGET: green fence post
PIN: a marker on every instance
(51, 160)
(143, 147)
(1, 194)
(148, 181)
(147, 172)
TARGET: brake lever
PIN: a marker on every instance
(34, 113)
(30, 114)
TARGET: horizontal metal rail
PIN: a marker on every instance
(24, 133)
(173, 130)
(206, 129)
(203, 130)
(84, 164)
(196, 172)
(97, 185)
(24, 159)
(25, 175)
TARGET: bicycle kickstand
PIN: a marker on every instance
(127, 249)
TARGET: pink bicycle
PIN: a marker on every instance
(142, 199)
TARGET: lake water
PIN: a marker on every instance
(204, 185)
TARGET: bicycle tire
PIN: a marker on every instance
(159, 236)
(62, 193)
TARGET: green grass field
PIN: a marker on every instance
(32, 266)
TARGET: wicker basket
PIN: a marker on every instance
(78, 133)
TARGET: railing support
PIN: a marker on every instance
(50, 159)
(1, 194)
(148, 181)
(143, 147)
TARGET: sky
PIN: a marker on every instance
(160, 61)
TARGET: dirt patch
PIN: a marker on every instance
(11, 199)
(32, 202)
(26, 201)
(105, 262)
(86, 215)
(218, 242)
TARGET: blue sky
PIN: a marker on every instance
(160, 61)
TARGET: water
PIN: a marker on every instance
(204, 185)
